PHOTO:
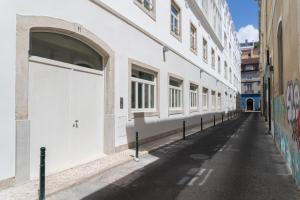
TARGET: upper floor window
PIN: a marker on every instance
(175, 94)
(143, 90)
(230, 75)
(204, 44)
(193, 38)
(147, 6)
(213, 58)
(219, 65)
(205, 5)
(249, 67)
(193, 96)
(175, 19)
(225, 41)
(225, 70)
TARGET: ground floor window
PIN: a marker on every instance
(205, 98)
(193, 96)
(175, 94)
(143, 90)
(213, 99)
(219, 100)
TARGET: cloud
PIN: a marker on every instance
(249, 33)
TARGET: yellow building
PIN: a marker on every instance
(280, 67)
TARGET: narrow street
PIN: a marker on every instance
(236, 160)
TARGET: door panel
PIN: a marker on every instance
(86, 136)
(49, 115)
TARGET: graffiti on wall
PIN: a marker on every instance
(279, 111)
(292, 108)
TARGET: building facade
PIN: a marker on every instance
(280, 66)
(80, 78)
(250, 74)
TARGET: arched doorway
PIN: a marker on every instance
(250, 104)
(66, 101)
(84, 62)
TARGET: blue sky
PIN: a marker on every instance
(245, 17)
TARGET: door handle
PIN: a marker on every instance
(75, 125)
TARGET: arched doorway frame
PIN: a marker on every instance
(253, 104)
(25, 24)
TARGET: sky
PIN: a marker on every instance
(245, 16)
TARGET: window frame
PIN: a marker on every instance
(195, 99)
(225, 70)
(213, 59)
(175, 110)
(213, 99)
(205, 95)
(205, 50)
(177, 34)
(141, 112)
(219, 100)
(141, 4)
(219, 64)
(193, 38)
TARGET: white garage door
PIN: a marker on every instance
(65, 113)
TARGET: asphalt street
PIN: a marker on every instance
(236, 160)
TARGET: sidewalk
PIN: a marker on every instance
(65, 179)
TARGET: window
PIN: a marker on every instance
(205, 5)
(230, 75)
(249, 67)
(193, 38)
(219, 65)
(280, 58)
(193, 96)
(205, 98)
(146, 5)
(143, 90)
(219, 101)
(225, 70)
(225, 41)
(64, 48)
(213, 100)
(249, 87)
(175, 94)
(175, 19)
(204, 50)
(213, 58)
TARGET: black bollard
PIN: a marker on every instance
(183, 130)
(222, 118)
(214, 120)
(201, 124)
(136, 146)
(42, 173)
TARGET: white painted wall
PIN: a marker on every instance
(7, 88)
(127, 43)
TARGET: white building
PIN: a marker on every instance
(80, 77)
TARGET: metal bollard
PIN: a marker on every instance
(228, 116)
(201, 124)
(214, 120)
(222, 118)
(183, 130)
(42, 173)
(136, 146)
